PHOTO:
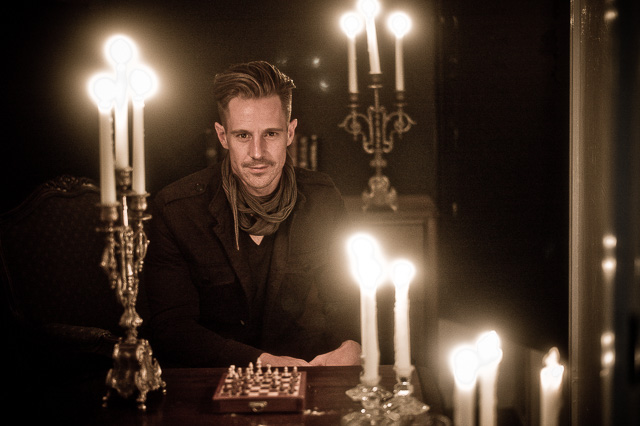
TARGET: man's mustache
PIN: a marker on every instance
(259, 163)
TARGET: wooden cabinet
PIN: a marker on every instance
(410, 233)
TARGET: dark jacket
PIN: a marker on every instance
(197, 282)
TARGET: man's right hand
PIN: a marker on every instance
(282, 361)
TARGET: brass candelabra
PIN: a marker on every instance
(378, 130)
(135, 371)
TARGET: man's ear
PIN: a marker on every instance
(291, 130)
(222, 135)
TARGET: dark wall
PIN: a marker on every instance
(55, 47)
(487, 84)
(503, 166)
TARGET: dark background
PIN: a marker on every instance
(487, 83)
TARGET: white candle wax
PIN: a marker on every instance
(399, 66)
(107, 172)
(551, 389)
(122, 137)
(490, 356)
(138, 178)
(372, 45)
(487, 376)
(371, 351)
(465, 364)
(366, 267)
(402, 273)
(353, 73)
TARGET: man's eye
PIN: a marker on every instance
(242, 135)
(272, 134)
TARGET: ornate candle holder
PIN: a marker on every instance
(377, 141)
(372, 396)
(135, 370)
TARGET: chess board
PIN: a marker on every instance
(258, 390)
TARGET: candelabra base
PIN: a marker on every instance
(380, 195)
(135, 372)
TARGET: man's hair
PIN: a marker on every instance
(257, 79)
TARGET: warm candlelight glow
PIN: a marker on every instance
(369, 8)
(367, 268)
(488, 345)
(351, 24)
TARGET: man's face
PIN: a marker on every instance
(257, 135)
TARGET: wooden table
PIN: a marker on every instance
(188, 401)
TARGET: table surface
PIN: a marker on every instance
(188, 400)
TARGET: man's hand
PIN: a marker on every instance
(281, 361)
(347, 354)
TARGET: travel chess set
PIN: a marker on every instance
(260, 390)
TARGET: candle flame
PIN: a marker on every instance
(465, 363)
(489, 347)
(120, 49)
(369, 8)
(551, 374)
(102, 89)
(366, 260)
(399, 23)
(402, 272)
(351, 24)
(143, 83)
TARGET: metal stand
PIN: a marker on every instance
(135, 371)
(377, 141)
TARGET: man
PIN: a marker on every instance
(246, 258)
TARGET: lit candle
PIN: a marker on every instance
(367, 268)
(489, 358)
(551, 388)
(400, 25)
(120, 51)
(102, 89)
(369, 9)
(141, 84)
(465, 366)
(352, 25)
(402, 272)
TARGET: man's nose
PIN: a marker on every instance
(256, 148)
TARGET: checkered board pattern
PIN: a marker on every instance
(272, 392)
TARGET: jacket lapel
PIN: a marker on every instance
(224, 229)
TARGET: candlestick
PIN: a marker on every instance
(402, 272)
(369, 9)
(378, 128)
(489, 357)
(465, 367)
(551, 388)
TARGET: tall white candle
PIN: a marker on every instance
(465, 365)
(402, 272)
(489, 357)
(367, 268)
(102, 89)
(142, 84)
(121, 51)
(370, 9)
(399, 23)
(352, 25)
(399, 66)
(138, 173)
(551, 388)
